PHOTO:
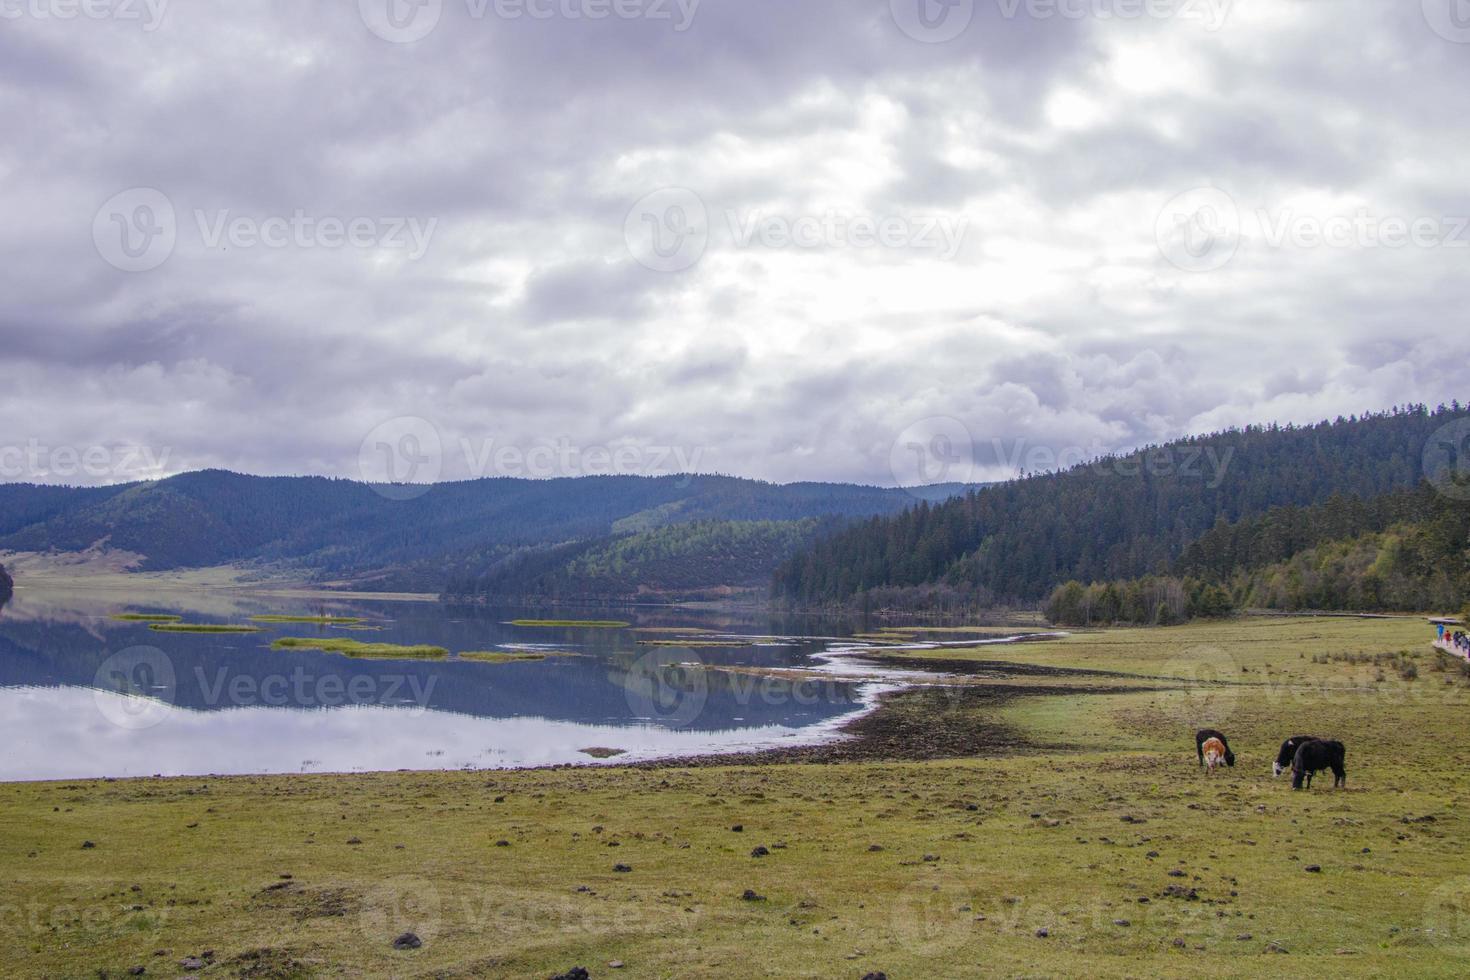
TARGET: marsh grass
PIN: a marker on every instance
(146, 617)
(601, 624)
(359, 649)
(172, 627)
(322, 620)
(699, 643)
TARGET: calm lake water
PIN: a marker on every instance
(83, 694)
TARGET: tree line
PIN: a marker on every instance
(1176, 532)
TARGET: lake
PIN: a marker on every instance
(85, 694)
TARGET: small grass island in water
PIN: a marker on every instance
(602, 624)
(175, 627)
(320, 620)
(512, 656)
(357, 648)
(146, 617)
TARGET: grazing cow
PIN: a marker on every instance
(1313, 757)
(1204, 735)
(1288, 752)
(1214, 751)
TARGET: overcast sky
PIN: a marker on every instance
(788, 239)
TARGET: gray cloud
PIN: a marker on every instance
(520, 146)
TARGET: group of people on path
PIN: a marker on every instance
(1457, 640)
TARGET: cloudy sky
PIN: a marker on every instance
(861, 240)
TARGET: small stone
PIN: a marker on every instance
(1042, 933)
(354, 840)
(874, 847)
(137, 971)
(575, 973)
(502, 843)
(87, 845)
(875, 975)
(760, 852)
(615, 964)
(191, 963)
(750, 896)
(622, 869)
(1244, 937)
(1122, 922)
(739, 828)
(1314, 868)
(1274, 947)
(407, 941)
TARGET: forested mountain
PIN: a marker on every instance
(682, 561)
(1405, 551)
(341, 527)
(1128, 517)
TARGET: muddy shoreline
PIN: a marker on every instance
(920, 723)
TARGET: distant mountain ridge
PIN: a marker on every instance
(338, 527)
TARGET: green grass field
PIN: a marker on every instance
(1101, 849)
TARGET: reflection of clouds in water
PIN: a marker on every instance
(60, 733)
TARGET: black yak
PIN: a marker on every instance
(1288, 752)
(1313, 757)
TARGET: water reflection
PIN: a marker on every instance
(84, 694)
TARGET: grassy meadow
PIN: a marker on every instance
(1093, 845)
